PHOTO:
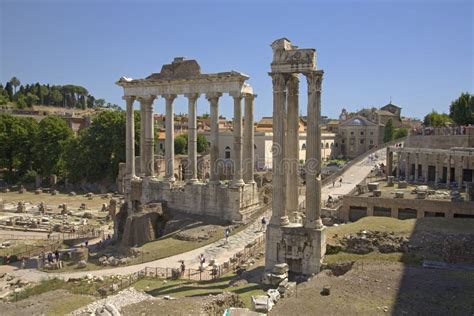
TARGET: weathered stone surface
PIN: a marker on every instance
(373, 186)
(402, 184)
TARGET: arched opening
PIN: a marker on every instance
(227, 152)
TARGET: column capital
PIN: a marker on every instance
(169, 97)
(249, 96)
(213, 95)
(192, 96)
(314, 80)
(279, 81)
(236, 95)
(148, 99)
(129, 98)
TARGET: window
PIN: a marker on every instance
(336, 145)
(371, 133)
(343, 141)
(322, 145)
(303, 147)
(227, 152)
(352, 133)
(361, 141)
(327, 145)
(371, 142)
(361, 133)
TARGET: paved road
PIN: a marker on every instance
(218, 250)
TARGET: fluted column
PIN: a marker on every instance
(389, 157)
(313, 151)
(399, 158)
(292, 144)
(214, 103)
(148, 135)
(448, 171)
(279, 216)
(130, 138)
(169, 140)
(438, 168)
(237, 180)
(248, 150)
(459, 172)
(425, 169)
(192, 137)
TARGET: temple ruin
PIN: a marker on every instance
(234, 201)
(292, 238)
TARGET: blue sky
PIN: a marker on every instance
(419, 53)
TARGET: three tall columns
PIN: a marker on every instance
(169, 140)
(147, 124)
(130, 138)
(285, 148)
(248, 149)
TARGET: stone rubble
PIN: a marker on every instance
(121, 299)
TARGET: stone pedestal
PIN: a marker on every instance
(402, 185)
(390, 181)
(373, 186)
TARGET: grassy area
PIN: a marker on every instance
(20, 246)
(68, 304)
(79, 287)
(183, 288)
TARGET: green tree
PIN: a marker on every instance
(462, 109)
(202, 144)
(9, 90)
(53, 134)
(31, 99)
(436, 119)
(21, 101)
(15, 82)
(400, 133)
(180, 144)
(388, 131)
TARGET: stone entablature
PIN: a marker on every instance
(421, 207)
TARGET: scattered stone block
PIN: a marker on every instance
(402, 185)
(421, 195)
(399, 194)
(81, 264)
(273, 294)
(280, 268)
(72, 193)
(377, 193)
(390, 180)
(261, 304)
(38, 191)
(373, 186)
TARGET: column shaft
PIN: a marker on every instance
(214, 103)
(407, 166)
(313, 151)
(142, 139)
(399, 158)
(389, 158)
(148, 134)
(248, 150)
(130, 137)
(448, 171)
(169, 140)
(416, 167)
(278, 150)
(237, 125)
(192, 137)
(292, 144)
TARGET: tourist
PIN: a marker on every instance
(50, 257)
(56, 253)
(23, 262)
(202, 259)
(333, 183)
(183, 267)
(264, 224)
(226, 234)
(340, 182)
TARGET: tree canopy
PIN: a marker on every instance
(388, 131)
(461, 110)
(436, 119)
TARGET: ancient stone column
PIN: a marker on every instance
(407, 166)
(248, 150)
(237, 180)
(425, 169)
(448, 171)
(279, 177)
(142, 139)
(130, 138)
(389, 158)
(399, 158)
(416, 167)
(292, 144)
(438, 168)
(192, 137)
(169, 140)
(313, 151)
(459, 172)
(214, 103)
(148, 133)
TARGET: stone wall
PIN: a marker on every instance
(217, 200)
(448, 208)
(439, 141)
